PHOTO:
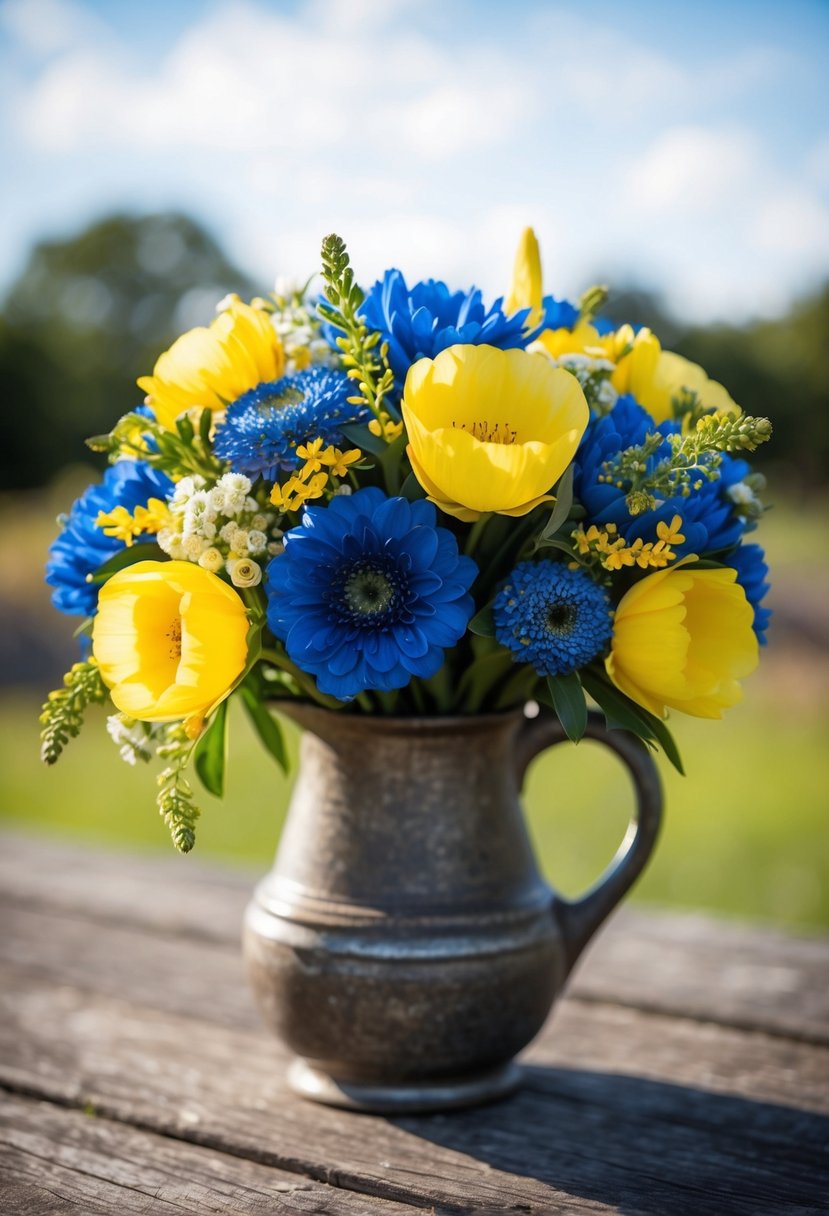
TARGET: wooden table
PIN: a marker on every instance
(686, 1072)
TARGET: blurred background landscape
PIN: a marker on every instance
(150, 176)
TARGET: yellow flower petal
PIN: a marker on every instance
(491, 430)
(170, 639)
(684, 638)
(208, 368)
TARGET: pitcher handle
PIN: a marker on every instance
(579, 919)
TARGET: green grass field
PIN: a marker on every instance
(746, 832)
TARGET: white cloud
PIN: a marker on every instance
(45, 27)
(278, 123)
(692, 171)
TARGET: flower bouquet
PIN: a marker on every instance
(404, 503)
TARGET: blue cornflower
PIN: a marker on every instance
(554, 618)
(369, 592)
(710, 523)
(82, 547)
(421, 321)
(261, 431)
(752, 572)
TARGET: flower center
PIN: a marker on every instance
(173, 635)
(560, 618)
(368, 591)
(489, 432)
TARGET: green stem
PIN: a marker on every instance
(475, 533)
(304, 681)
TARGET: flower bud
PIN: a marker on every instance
(245, 573)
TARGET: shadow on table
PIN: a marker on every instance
(641, 1147)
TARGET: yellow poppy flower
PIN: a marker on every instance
(683, 638)
(170, 639)
(211, 367)
(489, 429)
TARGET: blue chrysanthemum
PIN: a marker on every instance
(421, 321)
(82, 547)
(369, 592)
(551, 617)
(752, 574)
(261, 431)
(710, 523)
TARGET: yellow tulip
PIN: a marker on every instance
(683, 638)
(170, 639)
(211, 367)
(489, 429)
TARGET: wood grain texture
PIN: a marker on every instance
(692, 965)
(621, 1105)
(116, 998)
(54, 1160)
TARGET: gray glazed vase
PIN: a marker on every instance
(405, 946)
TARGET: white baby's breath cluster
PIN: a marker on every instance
(295, 319)
(222, 527)
(135, 740)
(594, 377)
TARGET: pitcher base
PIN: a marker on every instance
(417, 1098)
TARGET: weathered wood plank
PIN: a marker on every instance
(690, 964)
(54, 1160)
(625, 1111)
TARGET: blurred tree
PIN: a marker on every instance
(85, 318)
(779, 369)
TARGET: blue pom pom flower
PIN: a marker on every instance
(262, 430)
(554, 618)
(82, 548)
(420, 322)
(369, 592)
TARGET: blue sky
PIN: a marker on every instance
(681, 145)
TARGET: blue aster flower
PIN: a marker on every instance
(369, 592)
(710, 523)
(752, 574)
(82, 547)
(551, 617)
(261, 431)
(421, 321)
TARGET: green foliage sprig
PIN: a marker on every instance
(695, 457)
(363, 358)
(175, 794)
(62, 714)
(179, 453)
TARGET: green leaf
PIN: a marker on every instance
(265, 725)
(362, 438)
(412, 489)
(205, 422)
(210, 752)
(568, 701)
(622, 713)
(147, 551)
(185, 429)
(561, 507)
(483, 623)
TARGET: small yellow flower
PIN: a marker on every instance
(671, 533)
(491, 430)
(383, 427)
(311, 453)
(338, 462)
(170, 639)
(210, 367)
(683, 638)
